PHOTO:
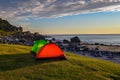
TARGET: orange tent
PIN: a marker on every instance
(50, 51)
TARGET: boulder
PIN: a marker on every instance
(75, 40)
(65, 41)
(20, 29)
(38, 37)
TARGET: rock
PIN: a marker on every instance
(75, 40)
(5, 26)
(23, 38)
(36, 34)
(65, 41)
(97, 48)
(86, 48)
(20, 29)
(53, 39)
(38, 37)
(97, 43)
(19, 37)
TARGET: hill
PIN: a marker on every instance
(6, 28)
(16, 63)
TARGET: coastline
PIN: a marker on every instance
(96, 50)
(106, 39)
(105, 52)
(112, 48)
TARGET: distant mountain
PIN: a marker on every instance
(6, 28)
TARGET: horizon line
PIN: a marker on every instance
(86, 34)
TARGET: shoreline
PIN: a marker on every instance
(103, 39)
(97, 50)
(114, 48)
(105, 52)
(115, 60)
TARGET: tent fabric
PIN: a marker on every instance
(38, 44)
(50, 51)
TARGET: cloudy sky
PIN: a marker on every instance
(63, 16)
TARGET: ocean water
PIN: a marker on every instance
(108, 39)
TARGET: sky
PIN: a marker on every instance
(63, 16)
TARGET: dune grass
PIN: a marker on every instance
(16, 63)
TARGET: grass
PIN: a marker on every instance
(16, 63)
(4, 33)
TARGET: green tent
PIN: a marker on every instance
(38, 44)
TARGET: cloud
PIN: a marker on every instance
(23, 9)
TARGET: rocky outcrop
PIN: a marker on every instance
(65, 41)
(23, 38)
(6, 26)
(11, 34)
(75, 41)
(7, 29)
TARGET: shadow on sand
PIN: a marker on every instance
(15, 61)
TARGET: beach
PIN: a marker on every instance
(94, 49)
(109, 52)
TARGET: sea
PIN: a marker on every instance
(107, 39)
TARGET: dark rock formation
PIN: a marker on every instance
(65, 41)
(6, 26)
(11, 34)
(75, 40)
(20, 29)
(23, 38)
(7, 29)
(53, 39)
(37, 36)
